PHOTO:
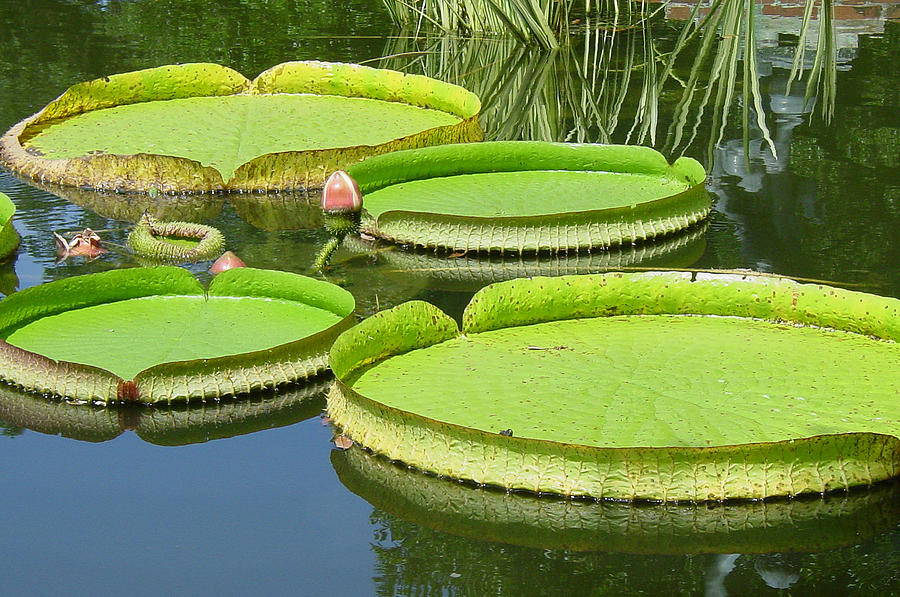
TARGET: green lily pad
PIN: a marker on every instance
(9, 238)
(205, 127)
(172, 425)
(764, 526)
(155, 335)
(528, 196)
(606, 386)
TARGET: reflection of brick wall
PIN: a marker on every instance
(851, 17)
(845, 10)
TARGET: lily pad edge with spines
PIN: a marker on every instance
(797, 465)
(203, 378)
(149, 238)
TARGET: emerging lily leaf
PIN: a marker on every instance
(156, 335)
(528, 196)
(175, 241)
(205, 127)
(657, 386)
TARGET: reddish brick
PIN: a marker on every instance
(678, 13)
(844, 13)
(783, 11)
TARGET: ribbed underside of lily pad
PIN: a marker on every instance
(528, 196)
(204, 127)
(764, 526)
(9, 238)
(154, 334)
(470, 273)
(610, 389)
(171, 426)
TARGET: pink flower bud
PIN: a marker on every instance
(228, 260)
(341, 194)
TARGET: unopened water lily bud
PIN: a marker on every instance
(228, 260)
(341, 194)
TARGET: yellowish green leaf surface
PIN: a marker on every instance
(650, 381)
(227, 131)
(154, 334)
(663, 386)
(203, 127)
(126, 337)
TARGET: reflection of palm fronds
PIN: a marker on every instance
(572, 93)
(822, 79)
(545, 22)
(608, 84)
(726, 35)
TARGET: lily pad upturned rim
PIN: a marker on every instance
(142, 172)
(179, 380)
(839, 461)
(553, 232)
(9, 238)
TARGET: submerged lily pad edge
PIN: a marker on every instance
(280, 171)
(175, 381)
(814, 464)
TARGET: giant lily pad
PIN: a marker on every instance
(763, 526)
(528, 196)
(205, 127)
(9, 238)
(662, 386)
(155, 334)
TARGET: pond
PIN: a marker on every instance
(252, 497)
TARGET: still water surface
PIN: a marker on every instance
(133, 501)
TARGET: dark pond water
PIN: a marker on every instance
(250, 497)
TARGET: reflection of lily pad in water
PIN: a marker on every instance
(809, 524)
(154, 334)
(130, 207)
(469, 272)
(281, 211)
(528, 196)
(602, 386)
(289, 128)
(165, 425)
(9, 238)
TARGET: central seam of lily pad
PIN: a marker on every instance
(129, 336)
(226, 132)
(649, 381)
(487, 195)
